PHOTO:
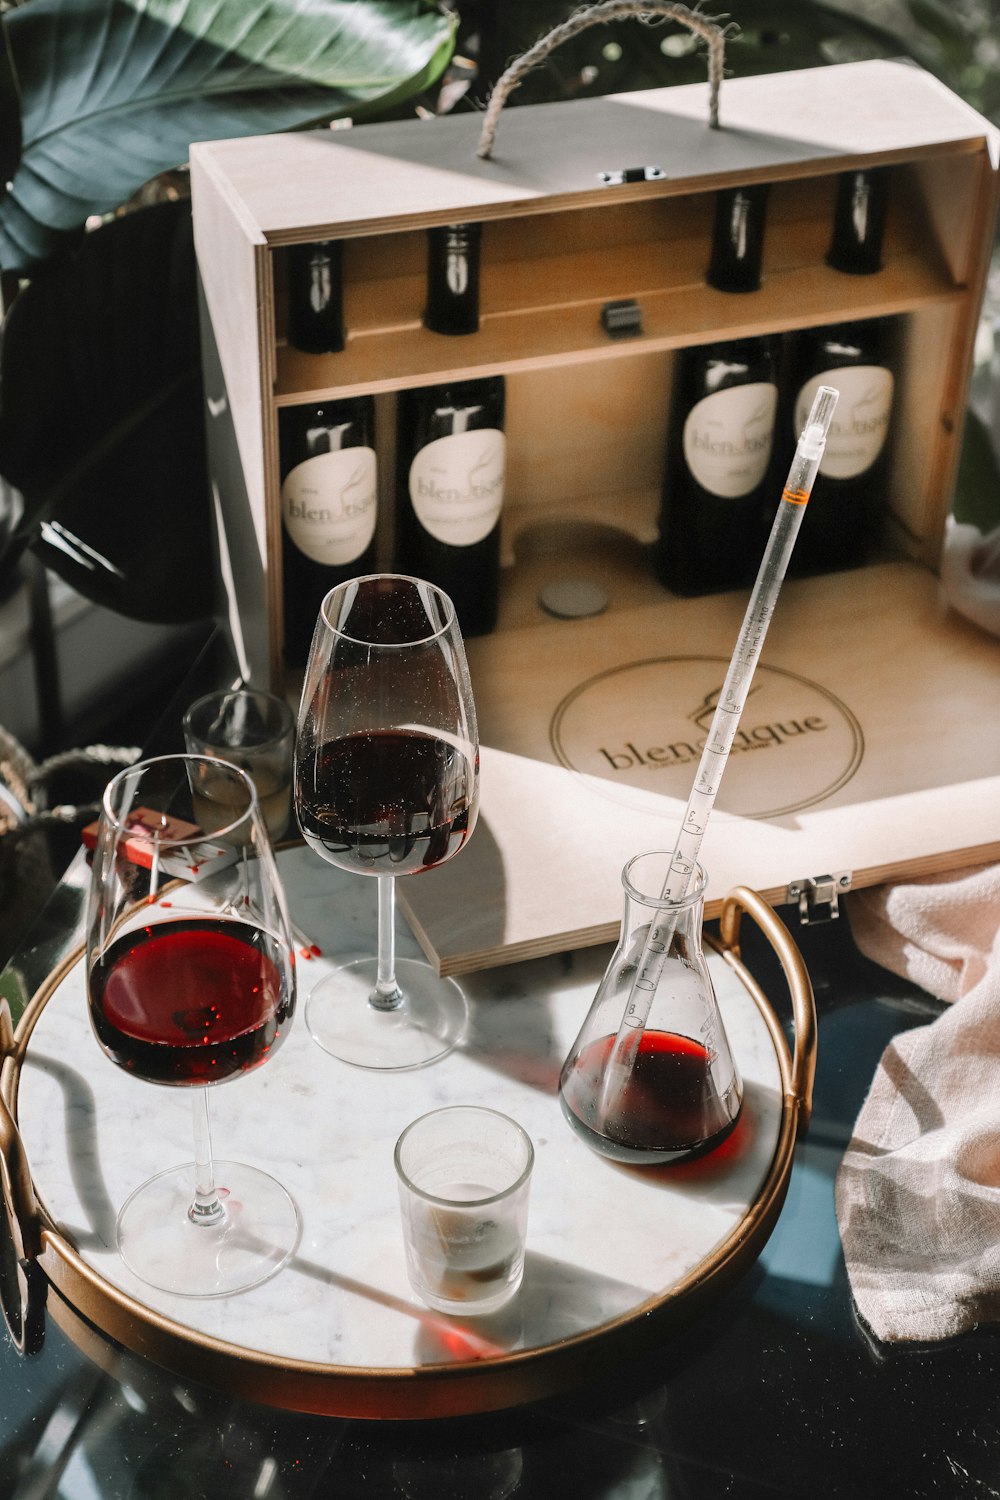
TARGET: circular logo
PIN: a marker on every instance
(643, 727)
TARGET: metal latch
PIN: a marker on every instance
(819, 896)
(631, 174)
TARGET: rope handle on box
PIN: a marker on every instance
(592, 15)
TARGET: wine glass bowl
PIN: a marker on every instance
(190, 983)
(387, 784)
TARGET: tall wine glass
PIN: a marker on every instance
(387, 784)
(191, 982)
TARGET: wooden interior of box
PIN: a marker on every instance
(586, 413)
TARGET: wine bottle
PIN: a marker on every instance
(315, 297)
(329, 507)
(451, 452)
(721, 429)
(453, 278)
(843, 520)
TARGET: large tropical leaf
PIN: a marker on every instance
(10, 116)
(114, 91)
(102, 419)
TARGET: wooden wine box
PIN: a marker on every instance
(868, 747)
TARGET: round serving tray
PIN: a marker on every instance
(616, 1255)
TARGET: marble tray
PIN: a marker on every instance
(614, 1254)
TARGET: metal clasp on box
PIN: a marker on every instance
(631, 174)
(818, 896)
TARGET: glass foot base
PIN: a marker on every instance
(430, 1022)
(163, 1247)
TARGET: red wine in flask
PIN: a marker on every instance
(669, 1089)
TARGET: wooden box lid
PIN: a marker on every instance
(867, 746)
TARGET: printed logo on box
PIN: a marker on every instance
(643, 726)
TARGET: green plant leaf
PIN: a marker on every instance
(114, 91)
(102, 419)
(10, 114)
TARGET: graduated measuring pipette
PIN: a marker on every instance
(725, 722)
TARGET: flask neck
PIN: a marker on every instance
(738, 239)
(859, 222)
(643, 880)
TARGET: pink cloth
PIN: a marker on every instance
(918, 1190)
(940, 932)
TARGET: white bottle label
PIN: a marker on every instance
(456, 485)
(860, 422)
(728, 437)
(329, 505)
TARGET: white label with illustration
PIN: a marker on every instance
(861, 421)
(728, 437)
(329, 504)
(456, 485)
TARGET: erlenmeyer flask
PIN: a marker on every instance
(669, 1090)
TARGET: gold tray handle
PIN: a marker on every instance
(803, 1067)
(22, 1282)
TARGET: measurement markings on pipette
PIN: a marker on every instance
(805, 464)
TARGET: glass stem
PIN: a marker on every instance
(207, 1207)
(386, 995)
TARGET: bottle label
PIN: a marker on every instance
(860, 422)
(728, 437)
(329, 505)
(456, 485)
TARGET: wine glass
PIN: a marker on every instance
(191, 982)
(387, 784)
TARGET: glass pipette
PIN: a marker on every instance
(725, 722)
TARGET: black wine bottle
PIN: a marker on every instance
(451, 452)
(721, 429)
(843, 519)
(315, 297)
(329, 507)
(453, 278)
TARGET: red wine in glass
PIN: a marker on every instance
(191, 982)
(395, 799)
(189, 1002)
(387, 785)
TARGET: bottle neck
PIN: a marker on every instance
(859, 222)
(738, 239)
(453, 279)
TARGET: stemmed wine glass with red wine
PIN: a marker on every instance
(387, 784)
(191, 983)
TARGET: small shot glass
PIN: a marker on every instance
(463, 1175)
(255, 731)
